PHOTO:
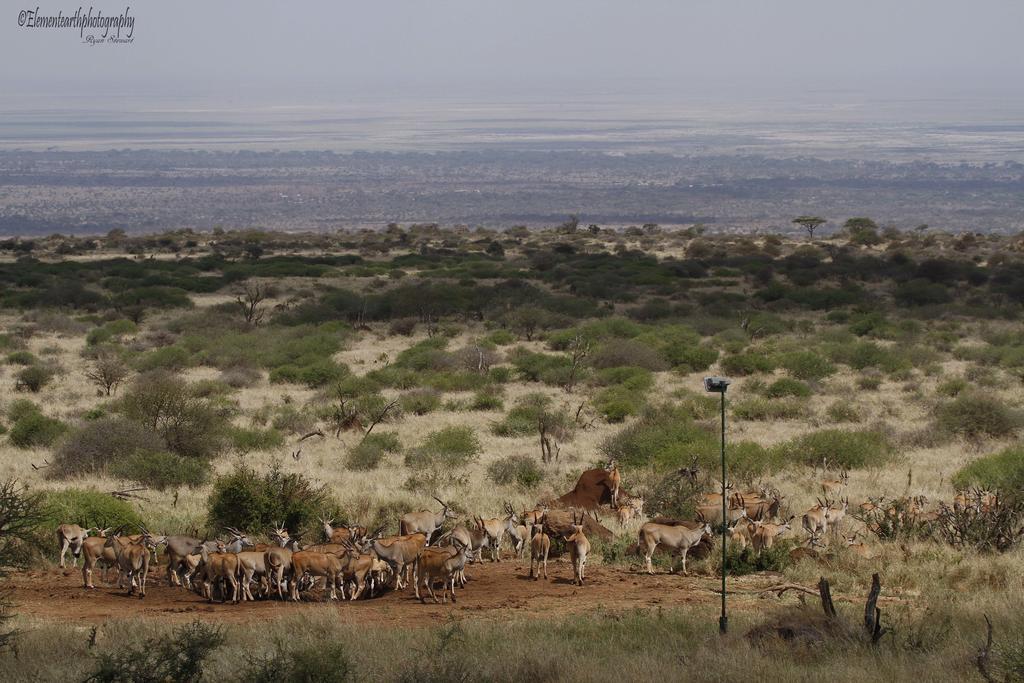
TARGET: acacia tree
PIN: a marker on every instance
(250, 301)
(809, 223)
(108, 372)
(21, 513)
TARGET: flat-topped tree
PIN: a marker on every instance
(809, 223)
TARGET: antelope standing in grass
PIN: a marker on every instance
(677, 537)
(741, 532)
(441, 562)
(425, 522)
(833, 486)
(540, 546)
(837, 513)
(579, 548)
(815, 520)
(634, 507)
(71, 537)
(765, 533)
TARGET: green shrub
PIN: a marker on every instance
(528, 413)
(977, 415)
(749, 363)
(843, 411)
(952, 387)
(842, 448)
(88, 508)
(449, 447)
(516, 470)
(761, 409)
(501, 338)
(35, 377)
(190, 425)
(371, 451)
(616, 403)
(806, 365)
(247, 440)
(786, 386)
(252, 501)
(747, 561)
(420, 401)
(632, 378)
(160, 470)
(109, 331)
(667, 438)
(20, 408)
(1002, 471)
(322, 662)
(541, 367)
(179, 658)
(870, 382)
(315, 373)
(628, 353)
(93, 446)
(486, 399)
(165, 358)
(35, 430)
(21, 358)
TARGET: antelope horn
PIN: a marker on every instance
(443, 504)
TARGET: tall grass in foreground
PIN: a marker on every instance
(673, 644)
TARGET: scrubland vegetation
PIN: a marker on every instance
(241, 379)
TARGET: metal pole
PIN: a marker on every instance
(723, 621)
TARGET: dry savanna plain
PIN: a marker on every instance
(186, 383)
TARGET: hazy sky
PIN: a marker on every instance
(337, 49)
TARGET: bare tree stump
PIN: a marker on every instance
(826, 598)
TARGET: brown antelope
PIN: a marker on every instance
(314, 564)
(342, 533)
(71, 537)
(815, 520)
(765, 533)
(741, 532)
(218, 568)
(517, 533)
(615, 480)
(495, 530)
(540, 546)
(634, 507)
(579, 548)
(712, 512)
(758, 507)
(837, 513)
(439, 562)
(677, 537)
(858, 547)
(132, 560)
(425, 522)
(830, 486)
(535, 516)
(474, 539)
(95, 551)
(398, 551)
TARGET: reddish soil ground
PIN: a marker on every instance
(497, 590)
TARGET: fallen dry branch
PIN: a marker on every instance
(783, 588)
(315, 432)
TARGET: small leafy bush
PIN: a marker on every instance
(1002, 471)
(869, 382)
(190, 425)
(762, 409)
(806, 365)
(420, 401)
(371, 451)
(449, 447)
(486, 399)
(161, 470)
(35, 430)
(323, 662)
(165, 358)
(849, 449)
(746, 561)
(21, 358)
(516, 470)
(843, 411)
(786, 386)
(248, 440)
(35, 377)
(252, 500)
(88, 508)
(749, 363)
(93, 446)
(180, 658)
(976, 415)
(952, 387)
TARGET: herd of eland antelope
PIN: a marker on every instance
(355, 562)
